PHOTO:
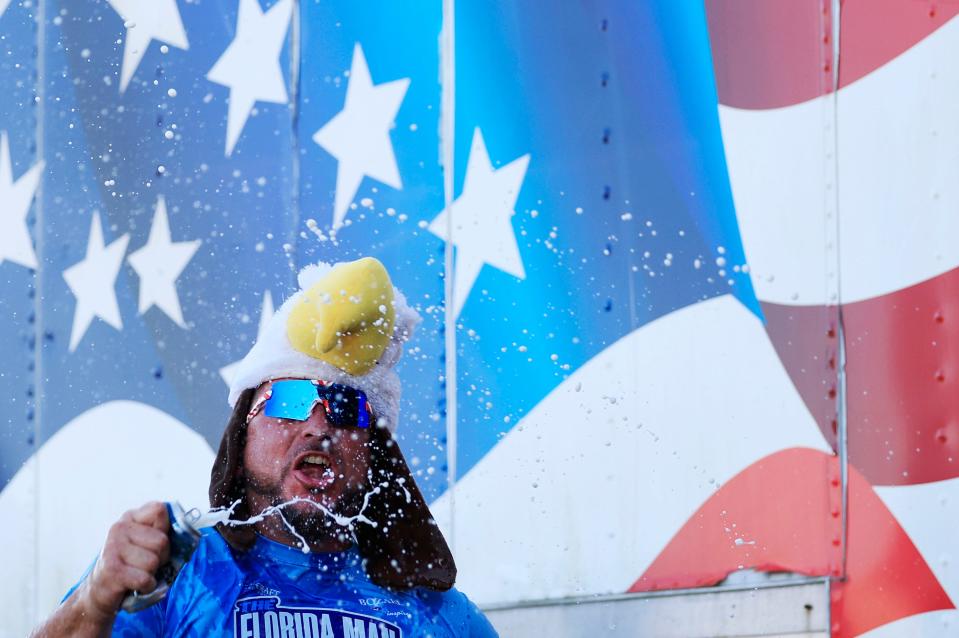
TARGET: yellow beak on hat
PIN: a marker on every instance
(346, 318)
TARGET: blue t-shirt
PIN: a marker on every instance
(276, 591)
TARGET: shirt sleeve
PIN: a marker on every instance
(479, 624)
(465, 618)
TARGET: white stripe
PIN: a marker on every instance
(590, 486)
(933, 624)
(111, 458)
(778, 182)
(898, 180)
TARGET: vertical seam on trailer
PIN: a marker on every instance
(38, 303)
(841, 403)
(295, 78)
(448, 146)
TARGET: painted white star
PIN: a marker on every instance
(15, 198)
(227, 372)
(3, 6)
(146, 21)
(92, 282)
(159, 263)
(359, 135)
(250, 66)
(481, 216)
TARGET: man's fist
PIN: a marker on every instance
(136, 546)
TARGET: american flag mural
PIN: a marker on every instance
(699, 323)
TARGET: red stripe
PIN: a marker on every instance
(781, 503)
(773, 54)
(902, 381)
(877, 31)
(768, 54)
(806, 339)
(788, 505)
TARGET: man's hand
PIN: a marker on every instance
(136, 546)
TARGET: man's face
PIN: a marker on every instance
(286, 459)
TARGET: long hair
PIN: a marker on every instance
(404, 550)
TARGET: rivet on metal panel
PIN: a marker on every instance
(604, 25)
(604, 79)
(940, 376)
(606, 192)
(938, 318)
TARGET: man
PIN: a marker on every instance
(329, 536)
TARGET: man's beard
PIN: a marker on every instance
(310, 519)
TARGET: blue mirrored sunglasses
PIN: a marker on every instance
(296, 399)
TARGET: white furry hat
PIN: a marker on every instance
(274, 356)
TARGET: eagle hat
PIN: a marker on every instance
(346, 324)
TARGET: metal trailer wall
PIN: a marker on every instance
(686, 365)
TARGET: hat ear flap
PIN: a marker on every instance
(226, 477)
(406, 549)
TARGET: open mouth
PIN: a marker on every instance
(314, 470)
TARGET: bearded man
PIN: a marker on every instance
(328, 535)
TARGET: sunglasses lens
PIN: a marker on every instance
(296, 398)
(291, 399)
(346, 406)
